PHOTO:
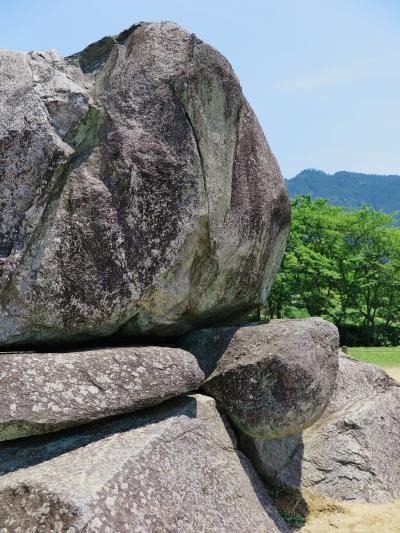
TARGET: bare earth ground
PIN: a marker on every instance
(324, 515)
(394, 372)
(357, 518)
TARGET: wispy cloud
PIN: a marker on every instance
(319, 80)
(372, 68)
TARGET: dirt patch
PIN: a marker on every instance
(394, 372)
(356, 518)
(308, 512)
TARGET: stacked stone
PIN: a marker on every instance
(144, 213)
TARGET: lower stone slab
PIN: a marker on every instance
(170, 468)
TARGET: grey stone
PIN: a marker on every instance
(170, 468)
(138, 194)
(272, 379)
(352, 452)
(43, 392)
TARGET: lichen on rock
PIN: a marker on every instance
(273, 379)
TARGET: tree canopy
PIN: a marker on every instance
(340, 263)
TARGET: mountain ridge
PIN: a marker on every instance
(349, 189)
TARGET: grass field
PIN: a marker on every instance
(387, 358)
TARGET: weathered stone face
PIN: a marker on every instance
(352, 452)
(272, 379)
(139, 193)
(42, 392)
(171, 468)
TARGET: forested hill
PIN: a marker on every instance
(349, 189)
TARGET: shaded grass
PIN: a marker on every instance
(296, 506)
(385, 357)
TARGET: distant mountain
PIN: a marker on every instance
(350, 189)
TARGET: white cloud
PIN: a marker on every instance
(372, 69)
(319, 80)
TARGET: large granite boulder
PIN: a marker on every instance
(171, 468)
(138, 194)
(43, 392)
(352, 452)
(272, 379)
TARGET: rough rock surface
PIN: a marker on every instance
(171, 468)
(272, 379)
(138, 194)
(43, 392)
(352, 452)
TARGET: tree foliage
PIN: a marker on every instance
(342, 264)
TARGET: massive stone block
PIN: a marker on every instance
(273, 379)
(171, 468)
(138, 193)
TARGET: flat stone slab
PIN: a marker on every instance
(42, 392)
(273, 379)
(173, 467)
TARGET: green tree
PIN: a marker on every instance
(308, 273)
(342, 264)
(365, 261)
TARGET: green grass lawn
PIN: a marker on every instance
(385, 357)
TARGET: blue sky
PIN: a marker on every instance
(322, 75)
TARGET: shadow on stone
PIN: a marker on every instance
(209, 346)
(256, 482)
(213, 343)
(259, 489)
(281, 470)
